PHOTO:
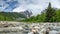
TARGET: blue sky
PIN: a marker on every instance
(8, 5)
(36, 6)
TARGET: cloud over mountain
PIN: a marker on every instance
(20, 5)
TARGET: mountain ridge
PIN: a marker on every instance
(10, 16)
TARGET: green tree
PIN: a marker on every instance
(57, 16)
(49, 13)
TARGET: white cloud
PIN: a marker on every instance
(19, 9)
(5, 5)
(34, 8)
(35, 5)
(2, 3)
(9, 0)
(38, 5)
(55, 3)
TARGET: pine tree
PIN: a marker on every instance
(49, 13)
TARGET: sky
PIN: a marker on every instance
(36, 6)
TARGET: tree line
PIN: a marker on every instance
(48, 15)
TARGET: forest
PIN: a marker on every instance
(48, 15)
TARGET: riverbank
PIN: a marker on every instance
(10, 27)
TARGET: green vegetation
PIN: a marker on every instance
(48, 15)
(10, 16)
(42, 17)
(50, 12)
(57, 16)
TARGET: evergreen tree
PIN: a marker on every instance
(49, 13)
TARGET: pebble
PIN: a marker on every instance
(28, 28)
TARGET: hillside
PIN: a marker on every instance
(9, 16)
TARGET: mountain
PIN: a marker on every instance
(10, 16)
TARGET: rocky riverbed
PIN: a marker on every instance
(9, 27)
